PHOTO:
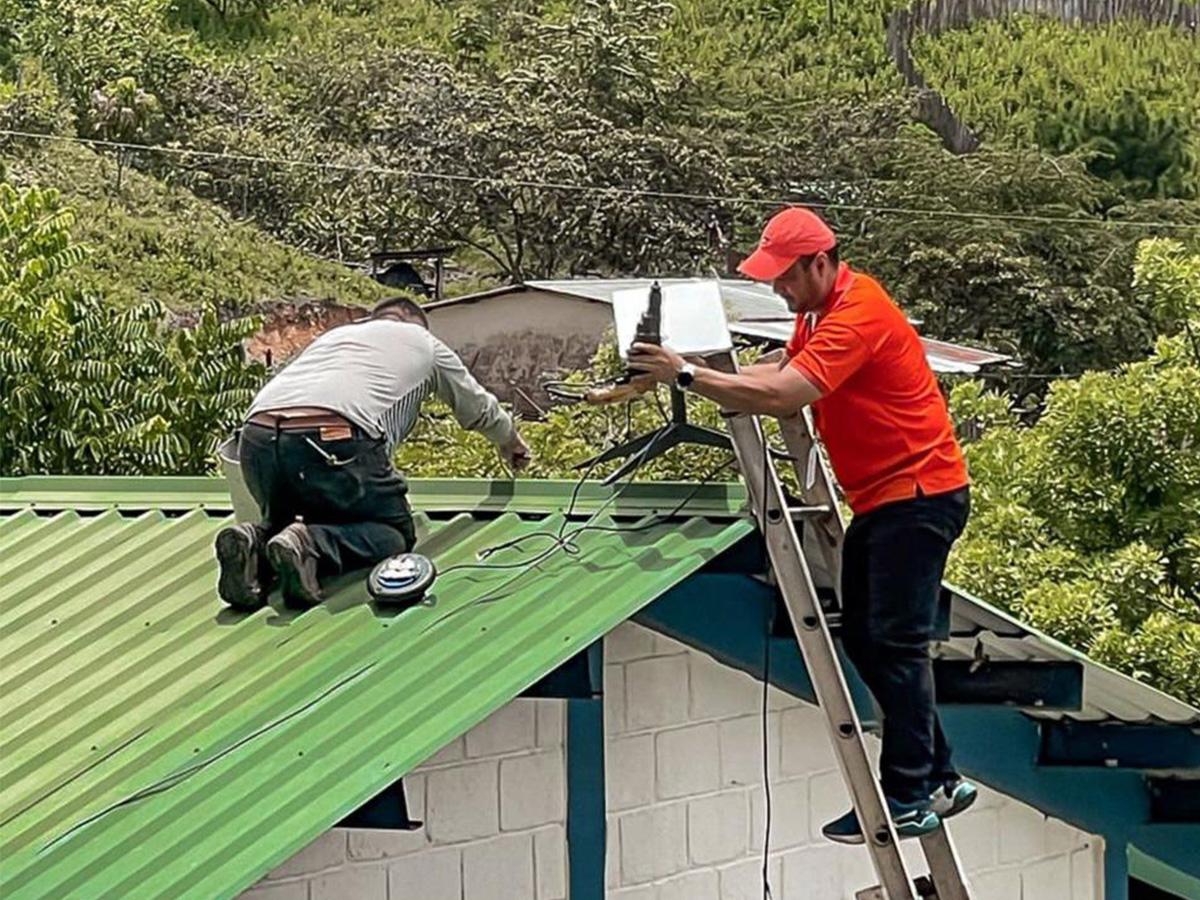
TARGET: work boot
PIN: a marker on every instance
(239, 549)
(953, 797)
(293, 554)
(910, 819)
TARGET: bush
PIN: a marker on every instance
(86, 45)
(1163, 652)
(93, 389)
(30, 101)
(159, 242)
(1076, 612)
(1122, 93)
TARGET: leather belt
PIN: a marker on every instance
(300, 420)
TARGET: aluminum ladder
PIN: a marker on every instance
(789, 560)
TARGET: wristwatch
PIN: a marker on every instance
(685, 376)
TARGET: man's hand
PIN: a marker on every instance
(516, 453)
(662, 363)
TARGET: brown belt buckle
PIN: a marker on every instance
(335, 433)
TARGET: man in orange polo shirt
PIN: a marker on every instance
(856, 360)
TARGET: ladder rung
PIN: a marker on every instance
(809, 512)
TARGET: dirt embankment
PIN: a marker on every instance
(289, 327)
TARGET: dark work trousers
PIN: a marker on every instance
(892, 566)
(347, 492)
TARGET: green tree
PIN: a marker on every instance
(222, 20)
(92, 389)
(1120, 93)
(123, 113)
(476, 148)
(1086, 523)
(86, 45)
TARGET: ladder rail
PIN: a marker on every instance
(829, 532)
(788, 560)
(829, 683)
(945, 869)
(816, 644)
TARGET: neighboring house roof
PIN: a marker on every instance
(152, 736)
(980, 631)
(747, 304)
(149, 733)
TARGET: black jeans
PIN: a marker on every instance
(347, 492)
(892, 567)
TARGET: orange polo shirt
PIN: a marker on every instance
(882, 416)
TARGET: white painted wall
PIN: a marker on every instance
(685, 801)
(686, 804)
(494, 806)
(483, 322)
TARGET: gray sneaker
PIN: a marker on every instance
(238, 556)
(293, 554)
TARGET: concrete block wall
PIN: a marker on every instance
(494, 809)
(687, 810)
(686, 806)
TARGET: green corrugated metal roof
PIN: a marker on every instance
(434, 495)
(153, 743)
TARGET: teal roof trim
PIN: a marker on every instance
(154, 743)
(1167, 878)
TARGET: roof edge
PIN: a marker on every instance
(86, 493)
(475, 296)
(1051, 643)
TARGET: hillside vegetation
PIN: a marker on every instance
(157, 241)
(1124, 93)
(350, 126)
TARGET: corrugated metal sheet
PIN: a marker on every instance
(434, 495)
(979, 629)
(154, 743)
(748, 304)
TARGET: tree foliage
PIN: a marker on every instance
(86, 45)
(1087, 523)
(122, 113)
(1123, 93)
(158, 241)
(404, 123)
(93, 389)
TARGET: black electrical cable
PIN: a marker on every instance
(564, 540)
(766, 747)
(557, 538)
(560, 540)
(604, 191)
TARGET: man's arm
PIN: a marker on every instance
(764, 389)
(772, 388)
(767, 364)
(474, 407)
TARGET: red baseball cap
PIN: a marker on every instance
(791, 234)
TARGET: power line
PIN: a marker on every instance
(607, 190)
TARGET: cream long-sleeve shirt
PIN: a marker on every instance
(376, 373)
